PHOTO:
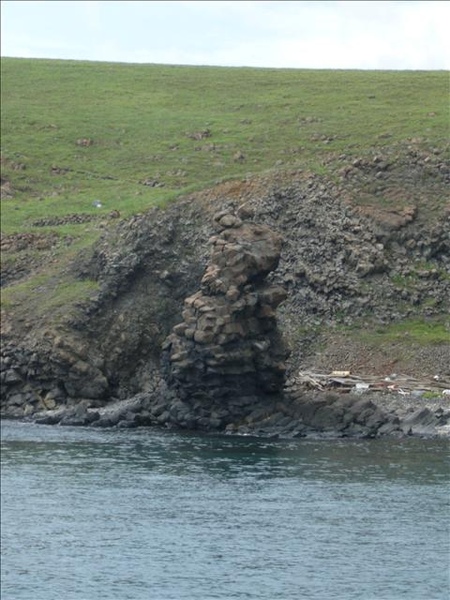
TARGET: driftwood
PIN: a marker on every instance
(344, 381)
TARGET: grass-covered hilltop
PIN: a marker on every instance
(135, 135)
(110, 176)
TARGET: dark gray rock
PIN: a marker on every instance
(78, 415)
(421, 422)
(51, 418)
(106, 421)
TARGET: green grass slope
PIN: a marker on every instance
(129, 136)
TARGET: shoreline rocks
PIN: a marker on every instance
(296, 414)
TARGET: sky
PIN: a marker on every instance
(277, 34)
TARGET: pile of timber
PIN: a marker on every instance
(344, 381)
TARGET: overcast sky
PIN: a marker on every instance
(336, 34)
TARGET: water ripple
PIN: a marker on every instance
(90, 514)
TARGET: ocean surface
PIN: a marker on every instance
(93, 514)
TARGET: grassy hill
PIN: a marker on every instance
(129, 136)
(82, 141)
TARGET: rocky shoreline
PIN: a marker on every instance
(297, 413)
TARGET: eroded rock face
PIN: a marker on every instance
(228, 345)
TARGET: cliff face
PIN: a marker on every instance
(340, 264)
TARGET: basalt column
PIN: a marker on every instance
(228, 346)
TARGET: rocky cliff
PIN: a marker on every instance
(341, 263)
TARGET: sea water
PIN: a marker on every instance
(91, 514)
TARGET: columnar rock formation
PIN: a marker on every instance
(228, 346)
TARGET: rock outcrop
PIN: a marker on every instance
(347, 261)
(228, 346)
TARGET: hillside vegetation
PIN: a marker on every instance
(129, 136)
(87, 145)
